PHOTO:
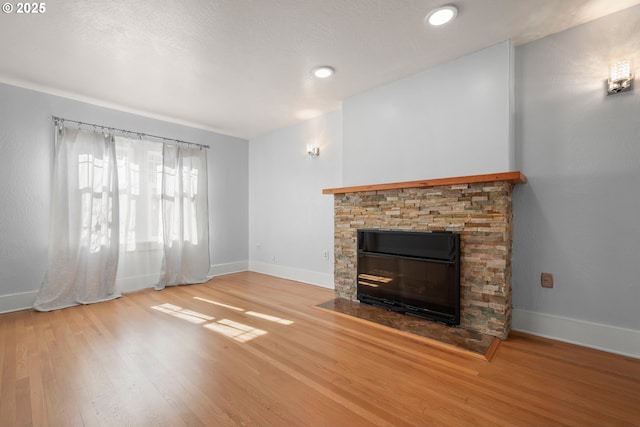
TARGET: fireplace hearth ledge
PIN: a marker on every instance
(449, 338)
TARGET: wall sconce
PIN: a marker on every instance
(313, 150)
(621, 79)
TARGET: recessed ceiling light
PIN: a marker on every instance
(442, 15)
(323, 72)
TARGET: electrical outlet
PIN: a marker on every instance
(273, 259)
(325, 255)
(546, 279)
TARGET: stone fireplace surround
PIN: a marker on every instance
(478, 207)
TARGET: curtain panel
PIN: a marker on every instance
(184, 216)
(84, 227)
(123, 210)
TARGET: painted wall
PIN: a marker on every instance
(26, 144)
(577, 217)
(290, 220)
(451, 120)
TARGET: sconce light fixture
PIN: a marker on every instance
(313, 150)
(621, 79)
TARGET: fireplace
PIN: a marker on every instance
(415, 273)
(477, 208)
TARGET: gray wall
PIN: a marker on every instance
(26, 158)
(578, 217)
(290, 220)
(450, 120)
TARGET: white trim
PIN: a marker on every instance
(16, 302)
(612, 339)
(25, 300)
(133, 284)
(299, 275)
(20, 83)
(228, 268)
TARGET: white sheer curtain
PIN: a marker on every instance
(184, 216)
(140, 181)
(125, 213)
(84, 234)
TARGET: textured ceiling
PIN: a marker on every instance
(241, 67)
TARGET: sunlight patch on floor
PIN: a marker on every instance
(229, 328)
(237, 331)
(250, 313)
(270, 318)
(219, 304)
(182, 313)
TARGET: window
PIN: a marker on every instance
(94, 183)
(139, 177)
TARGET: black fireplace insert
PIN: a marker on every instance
(416, 273)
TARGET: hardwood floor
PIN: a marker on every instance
(248, 349)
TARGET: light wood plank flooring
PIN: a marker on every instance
(250, 350)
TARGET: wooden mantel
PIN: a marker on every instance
(512, 177)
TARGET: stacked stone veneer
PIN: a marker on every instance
(480, 213)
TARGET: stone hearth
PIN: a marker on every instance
(456, 339)
(477, 207)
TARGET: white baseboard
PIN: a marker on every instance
(612, 339)
(228, 268)
(132, 284)
(25, 300)
(16, 302)
(305, 276)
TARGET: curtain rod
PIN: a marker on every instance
(124, 132)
